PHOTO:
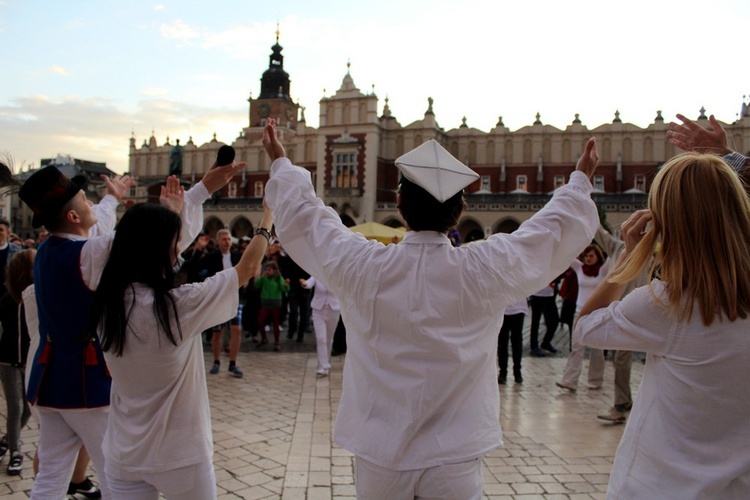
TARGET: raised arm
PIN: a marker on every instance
(689, 136)
(256, 250)
(106, 209)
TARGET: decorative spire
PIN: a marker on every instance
(577, 119)
(703, 114)
(348, 65)
(214, 139)
(658, 118)
(617, 117)
(386, 108)
(277, 32)
(500, 121)
(463, 122)
(538, 120)
(275, 76)
(373, 89)
(429, 107)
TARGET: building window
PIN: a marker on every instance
(232, 190)
(486, 183)
(133, 191)
(259, 189)
(345, 167)
(521, 183)
(640, 183)
(598, 182)
(559, 181)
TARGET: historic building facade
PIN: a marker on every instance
(351, 159)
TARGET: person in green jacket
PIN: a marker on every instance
(271, 284)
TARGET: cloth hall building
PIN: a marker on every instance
(351, 158)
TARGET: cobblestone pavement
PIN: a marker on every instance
(273, 432)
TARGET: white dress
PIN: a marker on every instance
(688, 434)
(422, 318)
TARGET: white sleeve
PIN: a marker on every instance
(209, 303)
(638, 322)
(94, 256)
(106, 216)
(192, 214)
(311, 282)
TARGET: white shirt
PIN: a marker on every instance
(422, 318)
(159, 417)
(587, 284)
(689, 431)
(520, 307)
(323, 297)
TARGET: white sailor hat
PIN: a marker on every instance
(435, 170)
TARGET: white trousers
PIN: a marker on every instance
(324, 322)
(61, 433)
(461, 481)
(194, 482)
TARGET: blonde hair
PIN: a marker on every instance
(701, 222)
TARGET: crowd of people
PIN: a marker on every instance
(102, 335)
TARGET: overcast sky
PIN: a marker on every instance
(81, 76)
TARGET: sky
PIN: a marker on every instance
(81, 77)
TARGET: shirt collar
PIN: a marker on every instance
(421, 237)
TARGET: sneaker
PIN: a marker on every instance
(550, 348)
(85, 488)
(236, 372)
(537, 353)
(214, 369)
(16, 461)
(3, 447)
(566, 386)
(614, 415)
(502, 378)
(518, 378)
(321, 373)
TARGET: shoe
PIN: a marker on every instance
(614, 415)
(16, 461)
(289, 336)
(3, 447)
(300, 340)
(214, 369)
(85, 488)
(276, 347)
(566, 386)
(236, 372)
(594, 387)
(537, 353)
(518, 378)
(501, 379)
(550, 348)
(321, 373)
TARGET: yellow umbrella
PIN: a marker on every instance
(377, 231)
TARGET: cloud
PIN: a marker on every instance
(159, 7)
(59, 70)
(179, 30)
(155, 91)
(36, 127)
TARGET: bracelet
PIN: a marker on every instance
(263, 232)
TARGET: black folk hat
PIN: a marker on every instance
(47, 191)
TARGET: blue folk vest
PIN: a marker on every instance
(68, 370)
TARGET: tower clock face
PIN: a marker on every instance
(264, 110)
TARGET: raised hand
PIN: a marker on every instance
(119, 185)
(589, 159)
(692, 137)
(271, 142)
(172, 195)
(218, 177)
(634, 228)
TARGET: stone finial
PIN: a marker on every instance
(577, 119)
(538, 120)
(463, 122)
(214, 139)
(302, 116)
(386, 108)
(500, 121)
(658, 118)
(617, 117)
(703, 114)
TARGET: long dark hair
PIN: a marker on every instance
(141, 253)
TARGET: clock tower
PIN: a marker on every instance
(274, 100)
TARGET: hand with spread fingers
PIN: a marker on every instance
(689, 136)
(172, 195)
(119, 185)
